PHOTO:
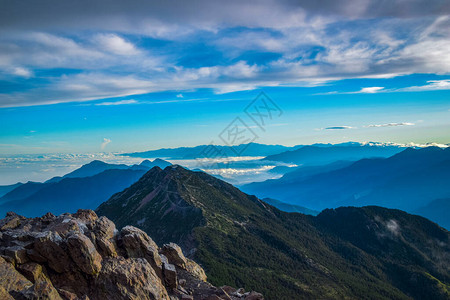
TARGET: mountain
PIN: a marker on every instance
(23, 191)
(147, 164)
(243, 241)
(4, 189)
(326, 153)
(70, 194)
(90, 169)
(81, 256)
(438, 211)
(290, 207)
(251, 149)
(407, 181)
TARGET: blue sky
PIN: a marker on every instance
(89, 76)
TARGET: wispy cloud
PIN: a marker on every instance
(391, 124)
(297, 43)
(105, 143)
(121, 102)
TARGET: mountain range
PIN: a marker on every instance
(85, 187)
(408, 180)
(354, 253)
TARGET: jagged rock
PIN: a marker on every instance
(11, 221)
(10, 279)
(174, 254)
(84, 253)
(195, 269)
(170, 276)
(132, 278)
(42, 287)
(254, 296)
(18, 253)
(138, 244)
(48, 247)
(81, 256)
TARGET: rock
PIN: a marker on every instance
(86, 215)
(18, 253)
(42, 287)
(11, 221)
(84, 254)
(174, 255)
(48, 246)
(81, 256)
(104, 231)
(195, 269)
(170, 276)
(132, 278)
(138, 244)
(228, 289)
(10, 279)
(254, 296)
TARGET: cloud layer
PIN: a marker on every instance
(58, 51)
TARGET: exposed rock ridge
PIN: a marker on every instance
(82, 256)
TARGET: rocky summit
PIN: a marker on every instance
(83, 256)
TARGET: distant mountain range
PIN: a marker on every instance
(85, 187)
(408, 180)
(354, 253)
(251, 149)
(309, 154)
(327, 153)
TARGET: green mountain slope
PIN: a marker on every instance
(347, 253)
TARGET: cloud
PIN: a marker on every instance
(116, 44)
(179, 96)
(370, 90)
(432, 85)
(391, 124)
(105, 143)
(93, 50)
(121, 102)
(339, 127)
(22, 72)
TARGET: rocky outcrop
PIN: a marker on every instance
(81, 256)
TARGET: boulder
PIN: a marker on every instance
(18, 253)
(132, 278)
(84, 253)
(138, 244)
(42, 287)
(11, 281)
(195, 269)
(174, 254)
(170, 276)
(48, 247)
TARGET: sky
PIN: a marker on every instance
(105, 76)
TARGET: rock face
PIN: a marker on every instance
(81, 256)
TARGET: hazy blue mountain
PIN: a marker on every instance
(147, 164)
(346, 253)
(327, 153)
(408, 180)
(438, 211)
(290, 207)
(251, 149)
(4, 189)
(90, 169)
(23, 191)
(70, 194)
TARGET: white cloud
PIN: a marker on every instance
(179, 96)
(116, 44)
(22, 72)
(370, 90)
(121, 102)
(432, 85)
(391, 124)
(105, 143)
